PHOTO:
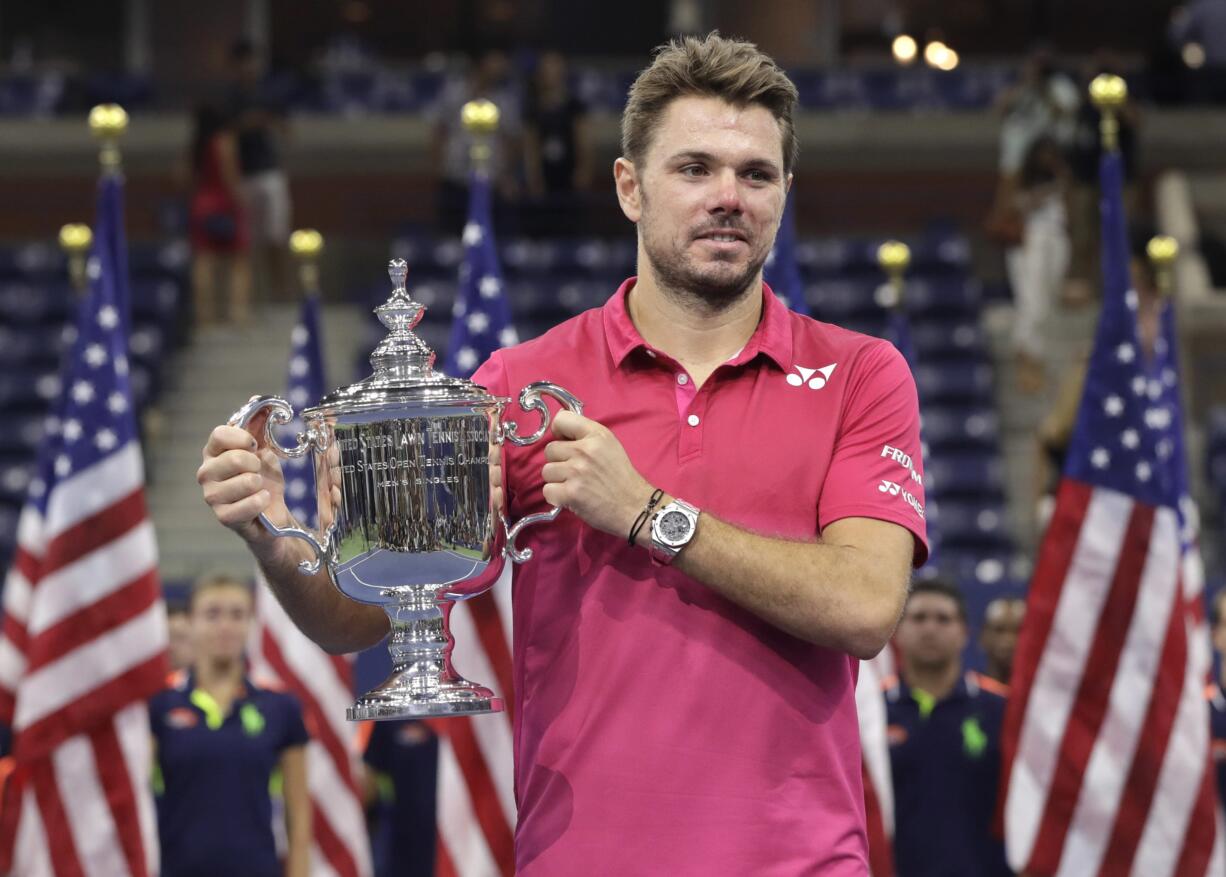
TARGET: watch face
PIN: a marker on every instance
(674, 527)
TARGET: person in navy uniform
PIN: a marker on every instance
(1215, 694)
(402, 764)
(218, 740)
(944, 733)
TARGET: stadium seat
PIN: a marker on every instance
(971, 476)
(954, 382)
(951, 428)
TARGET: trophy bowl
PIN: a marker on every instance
(406, 514)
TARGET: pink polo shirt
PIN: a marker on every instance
(660, 729)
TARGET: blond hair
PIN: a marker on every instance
(712, 66)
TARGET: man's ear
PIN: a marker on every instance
(629, 195)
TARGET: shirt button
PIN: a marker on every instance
(692, 420)
(683, 379)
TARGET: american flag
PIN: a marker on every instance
(1106, 749)
(84, 636)
(323, 683)
(476, 794)
(782, 272)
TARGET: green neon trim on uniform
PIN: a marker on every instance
(386, 788)
(276, 783)
(927, 703)
(159, 781)
(974, 740)
(214, 717)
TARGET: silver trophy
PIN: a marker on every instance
(406, 518)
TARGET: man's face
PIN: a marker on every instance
(931, 634)
(707, 196)
(1001, 627)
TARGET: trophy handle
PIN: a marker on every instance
(530, 400)
(281, 413)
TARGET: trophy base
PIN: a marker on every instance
(394, 699)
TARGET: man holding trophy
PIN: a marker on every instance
(743, 503)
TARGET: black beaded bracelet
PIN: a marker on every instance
(644, 517)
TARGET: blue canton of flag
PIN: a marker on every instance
(1122, 440)
(481, 316)
(93, 416)
(305, 386)
(781, 272)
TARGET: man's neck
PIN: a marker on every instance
(936, 681)
(697, 337)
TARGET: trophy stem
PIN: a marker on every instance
(423, 682)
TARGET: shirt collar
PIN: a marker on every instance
(772, 337)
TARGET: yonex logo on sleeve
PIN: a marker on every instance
(815, 377)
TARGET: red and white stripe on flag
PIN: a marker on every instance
(83, 646)
(476, 775)
(1107, 734)
(875, 755)
(323, 684)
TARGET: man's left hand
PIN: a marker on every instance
(589, 473)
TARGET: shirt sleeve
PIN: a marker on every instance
(876, 470)
(295, 728)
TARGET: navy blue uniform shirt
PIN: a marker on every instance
(1217, 735)
(215, 812)
(405, 754)
(945, 761)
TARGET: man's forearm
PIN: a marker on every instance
(829, 594)
(338, 624)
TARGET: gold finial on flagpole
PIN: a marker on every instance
(480, 120)
(108, 122)
(75, 240)
(1109, 93)
(894, 257)
(306, 244)
(1162, 251)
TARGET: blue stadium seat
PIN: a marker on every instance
(950, 428)
(23, 430)
(971, 476)
(24, 389)
(939, 338)
(970, 525)
(954, 382)
(944, 297)
(34, 303)
(836, 301)
(38, 347)
(15, 475)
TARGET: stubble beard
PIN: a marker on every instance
(678, 276)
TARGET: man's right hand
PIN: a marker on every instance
(241, 478)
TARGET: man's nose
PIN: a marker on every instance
(727, 195)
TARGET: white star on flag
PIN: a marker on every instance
(478, 322)
(1101, 459)
(121, 365)
(116, 403)
(1143, 471)
(489, 286)
(298, 366)
(1130, 439)
(1126, 353)
(72, 430)
(83, 392)
(108, 317)
(1138, 385)
(95, 355)
(63, 465)
(472, 234)
(467, 358)
(299, 336)
(1114, 406)
(105, 440)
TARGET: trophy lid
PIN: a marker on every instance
(403, 364)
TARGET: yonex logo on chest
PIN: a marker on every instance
(816, 378)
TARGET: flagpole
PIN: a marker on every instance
(1162, 251)
(1109, 93)
(306, 244)
(75, 240)
(108, 123)
(480, 120)
(894, 257)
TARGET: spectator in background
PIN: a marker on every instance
(261, 123)
(944, 733)
(221, 267)
(1038, 266)
(1002, 622)
(1043, 103)
(558, 156)
(451, 145)
(1086, 155)
(402, 766)
(179, 628)
(1201, 24)
(1215, 694)
(218, 739)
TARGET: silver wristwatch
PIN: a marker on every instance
(672, 528)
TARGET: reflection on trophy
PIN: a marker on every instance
(406, 518)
